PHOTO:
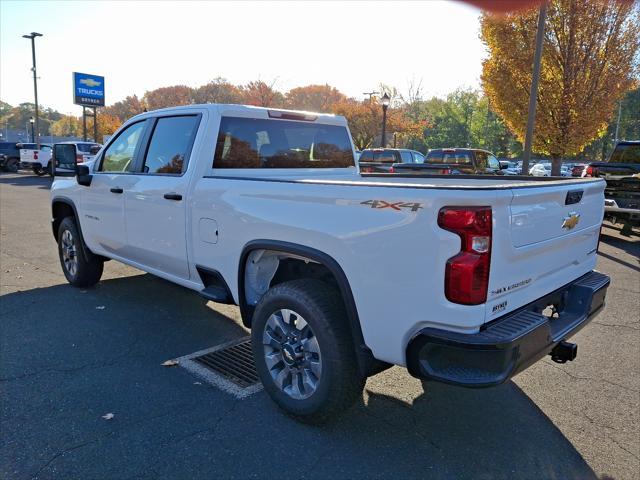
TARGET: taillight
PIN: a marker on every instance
(79, 158)
(591, 171)
(391, 169)
(35, 155)
(466, 278)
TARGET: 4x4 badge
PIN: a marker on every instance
(571, 221)
(380, 204)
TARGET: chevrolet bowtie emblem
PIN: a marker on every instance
(571, 221)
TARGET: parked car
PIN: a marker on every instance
(510, 168)
(540, 170)
(577, 169)
(384, 160)
(455, 161)
(11, 152)
(622, 174)
(37, 160)
(264, 209)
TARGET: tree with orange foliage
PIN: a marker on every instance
(168, 97)
(218, 91)
(365, 122)
(261, 94)
(126, 108)
(314, 98)
(107, 125)
(587, 66)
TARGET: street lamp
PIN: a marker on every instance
(385, 100)
(32, 36)
(32, 121)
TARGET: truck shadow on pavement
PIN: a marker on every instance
(24, 179)
(70, 356)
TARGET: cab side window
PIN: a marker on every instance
(119, 155)
(170, 145)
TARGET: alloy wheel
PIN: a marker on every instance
(292, 354)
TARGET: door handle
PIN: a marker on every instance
(173, 196)
(116, 190)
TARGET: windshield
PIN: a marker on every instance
(626, 153)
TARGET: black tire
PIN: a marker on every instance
(12, 165)
(87, 271)
(340, 384)
(39, 171)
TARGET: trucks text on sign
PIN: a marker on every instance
(88, 90)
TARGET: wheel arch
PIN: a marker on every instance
(368, 365)
(62, 207)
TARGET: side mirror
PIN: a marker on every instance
(64, 159)
(84, 175)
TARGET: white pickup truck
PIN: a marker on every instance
(37, 160)
(462, 279)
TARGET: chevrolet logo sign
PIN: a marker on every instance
(90, 82)
(571, 221)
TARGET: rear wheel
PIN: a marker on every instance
(11, 165)
(39, 170)
(304, 352)
(80, 270)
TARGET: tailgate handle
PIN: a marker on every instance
(573, 196)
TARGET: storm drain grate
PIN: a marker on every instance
(229, 367)
(235, 363)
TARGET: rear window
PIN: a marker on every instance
(629, 153)
(262, 143)
(86, 147)
(448, 157)
(27, 146)
(385, 156)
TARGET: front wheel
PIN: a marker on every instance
(304, 352)
(80, 270)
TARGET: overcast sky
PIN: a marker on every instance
(139, 46)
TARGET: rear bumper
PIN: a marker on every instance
(611, 209)
(510, 344)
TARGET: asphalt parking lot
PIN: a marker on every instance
(69, 356)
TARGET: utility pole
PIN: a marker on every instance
(32, 36)
(533, 95)
(371, 94)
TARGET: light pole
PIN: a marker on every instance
(385, 100)
(32, 121)
(533, 94)
(32, 36)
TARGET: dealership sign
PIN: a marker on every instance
(88, 90)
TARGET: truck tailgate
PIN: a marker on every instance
(552, 240)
